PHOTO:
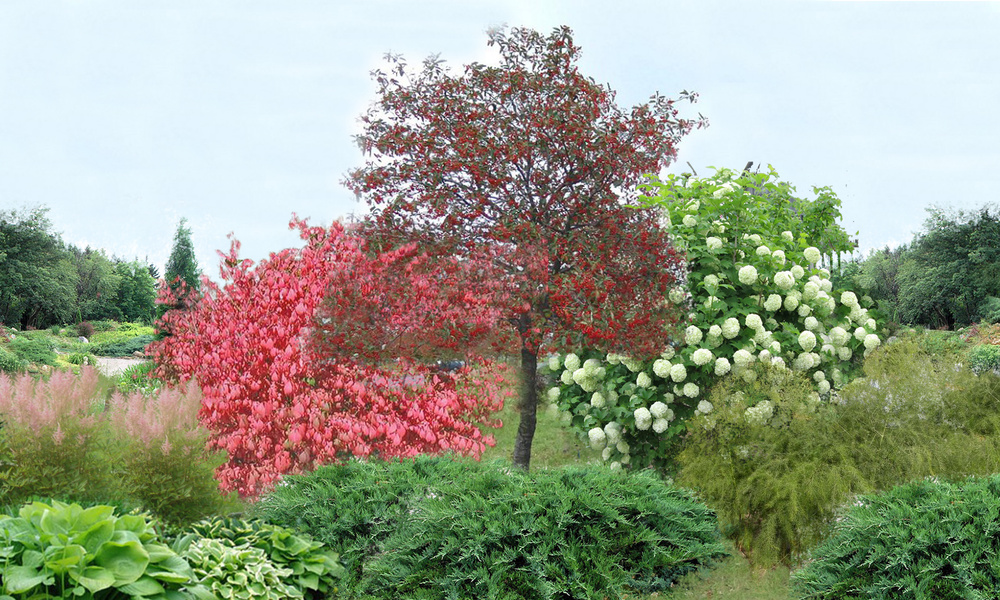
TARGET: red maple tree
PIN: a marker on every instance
(279, 399)
(534, 161)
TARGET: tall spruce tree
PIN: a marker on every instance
(182, 274)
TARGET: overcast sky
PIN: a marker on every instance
(122, 117)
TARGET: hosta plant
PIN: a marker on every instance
(230, 572)
(62, 550)
(756, 291)
(313, 567)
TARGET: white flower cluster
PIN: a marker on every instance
(760, 413)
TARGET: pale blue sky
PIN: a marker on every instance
(123, 117)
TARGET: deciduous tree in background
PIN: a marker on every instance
(534, 160)
(279, 398)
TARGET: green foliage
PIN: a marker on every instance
(97, 284)
(121, 332)
(139, 378)
(234, 572)
(776, 482)
(124, 348)
(182, 274)
(37, 274)
(313, 568)
(926, 539)
(33, 350)
(80, 358)
(9, 362)
(437, 528)
(756, 290)
(952, 269)
(137, 292)
(984, 358)
(62, 550)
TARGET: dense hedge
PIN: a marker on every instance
(444, 528)
(927, 539)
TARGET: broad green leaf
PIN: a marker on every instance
(60, 558)
(144, 586)
(126, 561)
(95, 578)
(94, 537)
(173, 570)
(20, 579)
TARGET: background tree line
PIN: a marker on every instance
(946, 277)
(45, 281)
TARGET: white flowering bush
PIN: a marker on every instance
(757, 289)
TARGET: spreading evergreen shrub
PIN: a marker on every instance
(443, 528)
(123, 348)
(9, 362)
(32, 349)
(927, 539)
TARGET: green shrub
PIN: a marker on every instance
(984, 358)
(103, 325)
(9, 362)
(64, 551)
(235, 572)
(33, 350)
(313, 568)
(138, 378)
(55, 330)
(776, 473)
(124, 348)
(926, 539)
(448, 528)
(81, 358)
(122, 333)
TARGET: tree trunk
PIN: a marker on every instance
(529, 406)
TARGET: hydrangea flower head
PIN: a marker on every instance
(692, 335)
(762, 251)
(701, 356)
(598, 400)
(554, 363)
(690, 221)
(778, 256)
(844, 353)
(807, 340)
(809, 290)
(787, 236)
(714, 331)
(760, 413)
(742, 358)
(871, 341)
(661, 368)
(678, 373)
(711, 280)
(658, 409)
(713, 243)
(753, 321)
(812, 254)
(748, 274)
(804, 310)
(730, 328)
(772, 303)
(691, 390)
(839, 336)
(572, 362)
(553, 394)
(784, 280)
(812, 324)
(598, 439)
(643, 418)
(643, 380)
(661, 425)
(705, 407)
(722, 366)
(798, 272)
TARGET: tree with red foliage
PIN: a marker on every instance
(533, 160)
(279, 403)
